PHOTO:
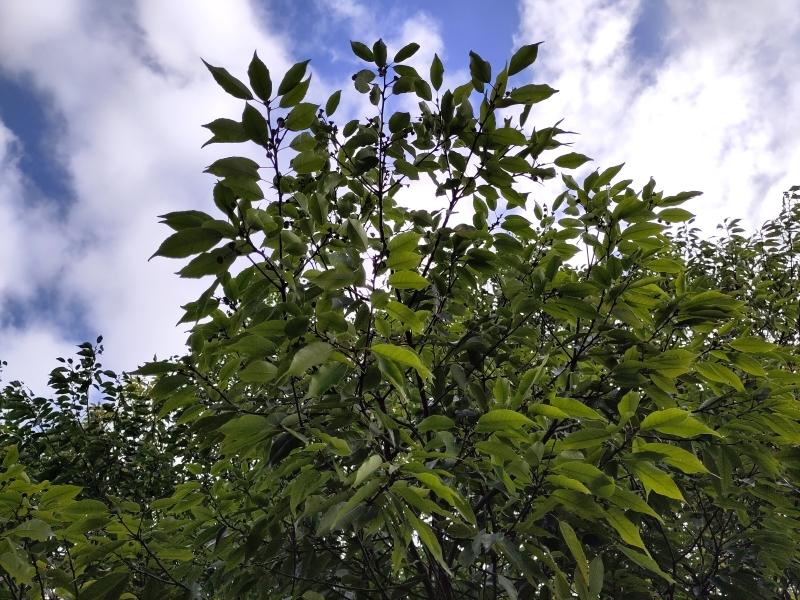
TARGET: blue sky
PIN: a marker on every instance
(101, 103)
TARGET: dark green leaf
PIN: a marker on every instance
(379, 53)
(229, 83)
(572, 160)
(532, 93)
(362, 51)
(259, 78)
(293, 77)
(301, 116)
(187, 242)
(437, 71)
(333, 102)
(406, 51)
(523, 58)
(479, 69)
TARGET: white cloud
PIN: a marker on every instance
(31, 353)
(718, 111)
(129, 84)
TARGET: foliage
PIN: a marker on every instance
(553, 400)
(97, 437)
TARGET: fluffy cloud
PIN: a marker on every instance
(715, 108)
(128, 83)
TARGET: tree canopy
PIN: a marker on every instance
(574, 397)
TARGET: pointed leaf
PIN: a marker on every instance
(523, 58)
(259, 78)
(229, 83)
(402, 356)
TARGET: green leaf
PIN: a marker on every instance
(479, 69)
(500, 419)
(356, 234)
(367, 468)
(572, 160)
(675, 215)
(405, 315)
(300, 487)
(106, 588)
(437, 71)
(596, 576)
(631, 501)
(627, 406)
(392, 372)
(688, 428)
(714, 371)
(58, 495)
(749, 365)
(674, 456)
(660, 418)
(309, 356)
(231, 166)
(258, 371)
(333, 102)
(435, 423)
(575, 547)
(225, 131)
(752, 345)
(406, 51)
(665, 265)
(423, 90)
(523, 58)
(427, 537)
(340, 446)
(327, 376)
(35, 529)
(255, 125)
(402, 356)
(548, 411)
(625, 528)
(408, 280)
(576, 409)
(11, 559)
(301, 116)
(259, 78)
(244, 188)
(293, 77)
(532, 93)
(641, 231)
(508, 136)
(308, 162)
(568, 483)
(399, 121)
(655, 480)
(362, 51)
(295, 95)
(244, 431)
(584, 438)
(408, 240)
(646, 562)
(379, 53)
(598, 482)
(229, 83)
(188, 242)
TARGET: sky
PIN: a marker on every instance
(101, 105)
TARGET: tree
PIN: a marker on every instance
(379, 402)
